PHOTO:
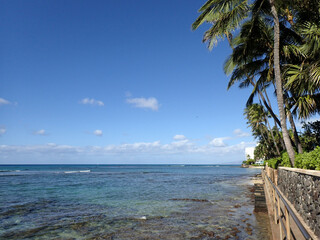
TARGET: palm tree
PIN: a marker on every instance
(278, 81)
(251, 56)
(258, 121)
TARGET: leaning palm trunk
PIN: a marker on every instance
(273, 139)
(271, 132)
(263, 132)
(268, 106)
(294, 131)
(279, 135)
(269, 109)
(268, 141)
(276, 121)
(279, 88)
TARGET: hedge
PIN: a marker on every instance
(282, 161)
(307, 160)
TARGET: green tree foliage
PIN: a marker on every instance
(310, 138)
(269, 144)
(249, 161)
(309, 160)
(274, 162)
(265, 150)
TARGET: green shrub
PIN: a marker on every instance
(315, 158)
(274, 162)
(298, 160)
(309, 160)
(317, 152)
(285, 162)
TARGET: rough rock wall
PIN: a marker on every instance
(303, 191)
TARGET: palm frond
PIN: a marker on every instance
(225, 17)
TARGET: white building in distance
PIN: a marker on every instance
(249, 151)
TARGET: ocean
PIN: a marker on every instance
(128, 202)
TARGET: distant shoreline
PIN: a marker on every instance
(250, 166)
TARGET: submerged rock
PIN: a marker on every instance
(189, 199)
(204, 234)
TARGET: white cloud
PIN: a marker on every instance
(151, 103)
(218, 142)
(140, 147)
(183, 149)
(40, 132)
(92, 101)
(240, 133)
(4, 101)
(179, 137)
(179, 146)
(98, 132)
(3, 130)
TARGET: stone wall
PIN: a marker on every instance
(302, 189)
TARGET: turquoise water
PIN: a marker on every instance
(128, 202)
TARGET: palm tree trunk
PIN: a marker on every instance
(265, 103)
(294, 131)
(269, 109)
(280, 137)
(273, 139)
(262, 134)
(268, 140)
(275, 122)
(271, 131)
(279, 88)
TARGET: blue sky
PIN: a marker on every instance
(115, 82)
